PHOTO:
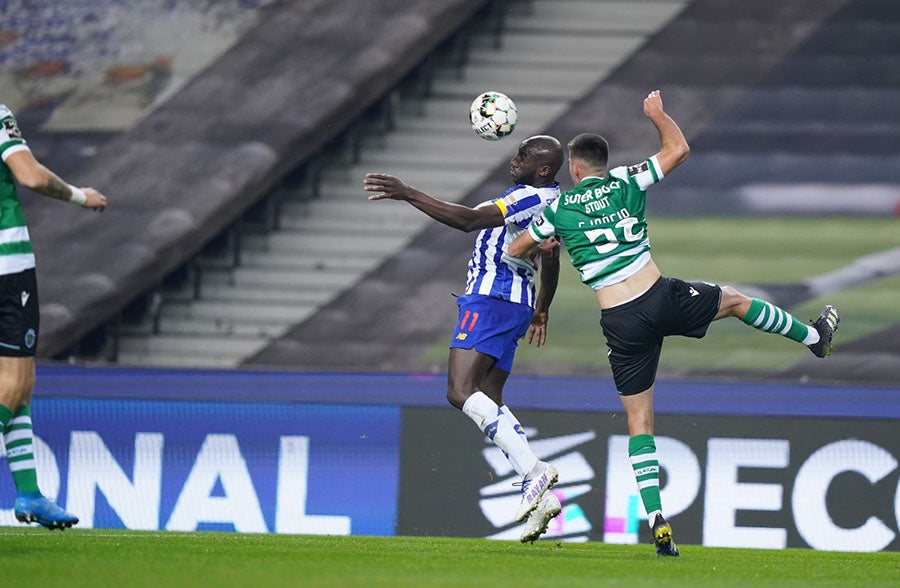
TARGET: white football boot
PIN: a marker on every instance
(539, 519)
(536, 483)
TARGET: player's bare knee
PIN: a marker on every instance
(15, 385)
(734, 301)
(26, 382)
(457, 397)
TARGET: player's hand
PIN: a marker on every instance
(387, 187)
(653, 104)
(95, 200)
(537, 330)
(548, 246)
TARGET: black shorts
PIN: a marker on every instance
(635, 330)
(19, 314)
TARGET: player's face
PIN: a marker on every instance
(525, 165)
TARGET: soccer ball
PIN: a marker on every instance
(493, 115)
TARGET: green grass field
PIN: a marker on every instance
(100, 558)
(734, 251)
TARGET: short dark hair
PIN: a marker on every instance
(591, 149)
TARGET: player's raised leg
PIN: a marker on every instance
(767, 317)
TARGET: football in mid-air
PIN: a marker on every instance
(493, 115)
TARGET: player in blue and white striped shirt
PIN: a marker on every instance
(500, 306)
(492, 271)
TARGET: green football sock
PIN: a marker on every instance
(19, 439)
(767, 317)
(642, 451)
(6, 415)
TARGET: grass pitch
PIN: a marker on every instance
(98, 558)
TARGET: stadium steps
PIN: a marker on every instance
(550, 54)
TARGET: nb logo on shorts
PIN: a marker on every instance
(462, 336)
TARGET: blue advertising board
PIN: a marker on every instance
(382, 454)
(267, 467)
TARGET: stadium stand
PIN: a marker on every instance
(178, 251)
(179, 179)
(701, 58)
(285, 262)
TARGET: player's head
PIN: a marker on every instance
(588, 156)
(537, 161)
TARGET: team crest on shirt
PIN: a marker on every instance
(12, 129)
(634, 170)
(30, 337)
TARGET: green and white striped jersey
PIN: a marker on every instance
(16, 254)
(601, 222)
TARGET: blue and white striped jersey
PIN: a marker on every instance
(492, 271)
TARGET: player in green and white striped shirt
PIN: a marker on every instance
(601, 221)
(19, 315)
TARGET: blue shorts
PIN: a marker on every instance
(491, 326)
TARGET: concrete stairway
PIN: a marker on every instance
(551, 53)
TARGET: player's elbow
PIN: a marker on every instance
(683, 151)
(678, 152)
(672, 156)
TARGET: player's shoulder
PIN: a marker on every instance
(513, 189)
(624, 172)
(518, 190)
(521, 192)
(4, 111)
(639, 175)
(550, 190)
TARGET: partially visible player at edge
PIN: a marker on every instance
(601, 223)
(19, 315)
(499, 308)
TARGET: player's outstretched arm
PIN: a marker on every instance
(674, 147)
(464, 218)
(37, 177)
